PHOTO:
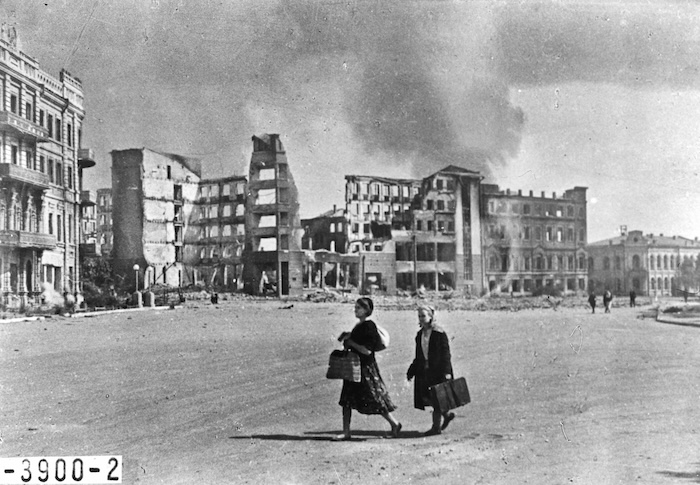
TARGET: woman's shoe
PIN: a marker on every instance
(448, 417)
(341, 437)
(395, 430)
(432, 432)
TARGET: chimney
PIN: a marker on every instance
(507, 191)
(554, 195)
(543, 196)
(531, 193)
(520, 192)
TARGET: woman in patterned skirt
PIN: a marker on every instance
(370, 395)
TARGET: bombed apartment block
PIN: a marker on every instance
(156, 194)
(273, 255)
(327, 263)
(414, 234)
(218, 236)
(443, 251)
(534, 244)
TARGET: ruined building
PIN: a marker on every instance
(325, 242)
(534, 244)
(219, 233)
(156, 193)
(103, 215)
(413, 233)
(449, 231)
(229, 232)
(274, 260)
(41, 169)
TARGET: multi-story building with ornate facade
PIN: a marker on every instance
(534, 243)
(645, 263)
(41, 164)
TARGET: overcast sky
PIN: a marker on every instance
(541, 96)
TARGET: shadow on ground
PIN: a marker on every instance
(693, 477)
(329, 435)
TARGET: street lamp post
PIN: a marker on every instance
(136, 271)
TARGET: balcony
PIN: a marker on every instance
(87, 198)
(22, 127)
(24, 175)
(24, 239)
(86, 157)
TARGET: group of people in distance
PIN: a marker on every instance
(432, 365)
(607, 300)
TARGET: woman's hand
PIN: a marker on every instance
(343, 336)
(360, 348)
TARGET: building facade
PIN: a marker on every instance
(157, 194)
(645, 263)
(41, 169)
(103, 215)
(88, 225)
(450, 231)
(327, 263)
(441, 250)
(274, 260)
(219, 230)
(534, 244)
(412, 233)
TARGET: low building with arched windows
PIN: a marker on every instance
(646, 263)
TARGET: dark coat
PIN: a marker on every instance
(439, 365)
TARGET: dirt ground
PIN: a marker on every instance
(236, 393)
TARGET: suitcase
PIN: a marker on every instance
(450, 394)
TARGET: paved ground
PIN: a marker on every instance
(235, 393)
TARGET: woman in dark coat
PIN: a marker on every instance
(369, 396)
(432, 365)
(591, 301)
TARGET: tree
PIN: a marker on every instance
(687, 276)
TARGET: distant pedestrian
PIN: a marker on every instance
(607, 300)
(633, 299)
(591, 301)
(432, 365)
(215, 298)
(370, 395)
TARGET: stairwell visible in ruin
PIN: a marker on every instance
(273, 256)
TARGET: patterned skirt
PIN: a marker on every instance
(369, 396)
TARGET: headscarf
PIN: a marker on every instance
(367, 304)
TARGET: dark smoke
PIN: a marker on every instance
(401, 96)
